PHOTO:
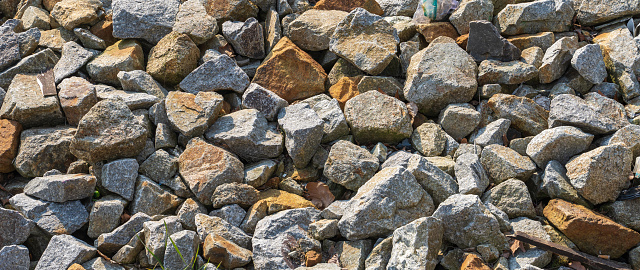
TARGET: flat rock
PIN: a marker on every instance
(204, 167)
(53, 218)
(560, 143)
(351, 41)
(73, 58)
(512, 197)
(534, 17)
(152, 199)
(497, 72)
(557, 59)
(279, 72)
(61, 187)
(390, 123)
(313, 29)
(119, 176)
(111, 242)
(14, 257)
(63, 251)
(335, 124)
(257, 174)
(591, 117)
(217, 74)
(124, 55)
(139, 19)
(191, 114)
(263, 100)
(503, 163)
(525, 114)
(36, 63)
(349, 165)
(44, 149)
(71, 14)
(89, 40)
(303, 132)
(14, 228)
(485, 42)
(600, 174)
(234, 193)
(245, 37)
(589, 62)
(247, 134)
(173, 58)
(192, 19)
(100, 134)
(134, 100)
(25, 103)
(590, 231)
(77, 96)
(232, 213)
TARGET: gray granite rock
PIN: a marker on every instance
(233, 213)
(245, 37)
(101, 264)
(156, 234)
(160, 166)
(14, 257)
(390, 123)
(257, 174)
(416, 245)
(165, 137)
(534, 17)
(14, 228)
(534, 256)
(139, 19)
(25, 103)
(217, 74)
(63, 251)
(433, 180)
(119, 176)
(599, 11)
(591, 117)
(503, 163)
(192, 19)
(555, 184)
(512, 197)
(141, 81)
(89, 40)
(324, 229)
(312, 30)
(105, 215)
(303, 132)
(184, 251)
(525, 114)
(234, 193)
(514, 72)
(353, 253)
(36, 63)
(73, 58)
(621, 55)
(152, 199)
(134, 100)
(61, 187)
(111, 242)
(11, 52)
(491, 133)
(470, 175)
(44, 149)
(380, 255)
(207, 225)
(53, 218)
(263, 100)
(203, 111)
(335, 124)
(628, 136)
(589, 62)
(187, 213)
(459, 120)
(557, 59)
(349, 165)
(560, 143)
(485, 42)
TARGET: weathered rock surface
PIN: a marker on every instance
(534, 17)
(63, 251)
(525, 114)
(191, 114)
(303, 132)
(485, 42)
(416, 245)
(44, 149)
(25, 103)
(139, 19)
(61, 187)
(124, 55)
(390, 123)
(349, 165)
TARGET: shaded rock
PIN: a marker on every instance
(257, 174)
(324, 229)
(303, 132)
(9, 140)
(353, 253)
(628, 137)
(380, 255)
(591, 117)
(220, 251)
(312, 30)
(557, 59)
(187, 213)
(469, 13)
(263, 100)
(63, 251)
(560, 143)
(272, 29)
(433, 30)
(184, 252)
(61, 187)
(105, 215)
(165, 137)
(70, 14)
(77, 96)
(36, 63)
(600, 174)
(335, 124)
(101, 263)
(101, 133)
(247, 134)
(134, 100)
(416, 245)
(438, 183)
(204, 167)
(470, 175)
(44, 149)
(111, 242)
(139, 19)
(349, 165)
(234, 10)
(245, 37)
(514, 72)
(512, 197)
(534, 256)
(192, 19)
(279, 72)
(534, 17)
(160, 166)
(555, 184)
(73, 58)
(53, 218)
(525, 114)
(491, 133)
(56, 38)
(371, 6)
(25, 104)
(191, 114)
(503, 163)
(350, 41)
(459, 120)
(207, 225)
(377, 209)
(89, 40)
(124, 55)
(390, 123)
(217, 74)
(173, 58)
(485, 42)
(119, 176)
(14, 228)
(345, 89)
(14, 257)
(151, 199)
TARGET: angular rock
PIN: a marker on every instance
(590, 231)
(191, 114)
(11, 50)
(53, 218)
(434, 180)
(600, 174)
(234, 10)
(234, 193)
(512, 197)
(25, 104)
(124, 55)
(192, 19)
(257, 174)
(312, 30)
(36, 63)
(14, 257)
(557, 59)
(433, 30)
(349, 165)
(173, 58)
(591, 117)
(560, 143)
(204, 167)
(371, 6)
(119, 176)
(245, 37)
(44, 149)
(63, 251)
(470, 175)
(459, 120)
(525, 114)
(351, 41)
(184, 251)
(263, 100)
(101, 263)
(596, 12)
(491, 133)
(109, 243)
(36, 17)
(141, 81)
(390, 199)
(622, 59)
(627, 136)
(247, 134)
(105, 215)
(555, 184)
(416, 245)
(335, 124)
(534, 17)
(485, 42)
(207, 225)
(221, 251)
(534, 256)
(380, 255)
(390, 123)
(324, 229)
(134, 100)
(503, 163)
(77, 96)
(429, 139)
(345, 89)
(588, 61)
(108, 131)
(73, 58)
(470, 12)
(151, 199)
(303, 132)
(71, 14)
(514, 72)
(139, 19)
(187, 213)
(56, 38)
(160, 166)
(156, 234)
(61, 187)
(89, 40)
(9, 140)
(233, 213)
(217, 74)
(279, 72)
(279, 200)
(272, 29)
(14, 228)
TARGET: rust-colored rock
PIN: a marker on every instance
(278, 200)
(345, 89)
(290, 72)
(124, 55)
(434, 30)
(590, 231)
(312, 258)
(462, 41)
(104, 30)
(231, 10)
(473, 262)
(9, 140)
(349, 5)
(173, 58)
(218, 250)
(77, 96)
(76, 266)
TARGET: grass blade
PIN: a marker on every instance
(151, 252)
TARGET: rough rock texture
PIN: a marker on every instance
(192, 19)
(303, 132)
(560, 143)
(14, 228)
(512, 197)
(245, 37)
(119, 176)
(485, 42)
(589, 62)
(525, 114)
(216, 74)
(599, 11)
(621, 58)
(497, 72)
(61, 187)
(14, 257)
(44, 149)
(596, 117)
(312, 30)
(416, 245)
(139, 19)
(77, 96)
(25, 104)
(263, 100)
(389, 123)
(557, 59)
(191, 114)
(534, 17)
(349, 165)
(173, 58)
(503, 163)
(63, 251)
(9, 141)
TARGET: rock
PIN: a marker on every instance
(272, 29)
(433, 66)
(416, 245)
(533, 256)
(16, 44)
(105, 215)
(543, 40)
(274, 232)
(590, 231)
(470, 175)
(593, 118)
(156, 240)
(56, 38)
(73, 58)
(220, 251)
(101, 263)
(191, 114)
(391, 123)
(555, 184)
(557, 59)
(14, 257)
(192, 19)
(119, 176)
(470, 13)
(588, 61)
(77, 96)
(134, 100)
(245, 37)
(233, 213)
(380, 255)
(62, 187)
(63, 251)
(278, 200)
(469, 223)
(438, 183)
(207, 225)
(136, 19)
(234, 10)
(312, 30)
(368, 5)
(626, 136)
(71, 14)
(429, 139)
(459, 120)
(53, 218)
(324, 229)
(600, 174)
(247, 134)
(36, 17)
(160, 166)
(303, 132)
(173, 58)
(353, 253)
(9, 140)
(525, 114)
(350, 41)
(151, 199)
(184, 252)
(14, 228)
(491, 133)
(234, 193)
(514, 72)
(560, 143)
(36, 63)
(596, 12)
(44, 149)
(111, 242)
(534, 17)
(369, 215)
(512, 197)
(187, 213)
(621, 58)
(204, 173)
(89, 40)
(124, 55)
(433, 30)
(257, 174)
(278, 72)
(335, 124)
(349, 165)
(100, 134)
(485, 42)
(345, 89)
(263, 100)
(398, 8)
(388, 85)
(25, 104)
(217, 74)
(165, 137)
(503, 163)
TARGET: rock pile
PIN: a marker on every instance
(316, 134)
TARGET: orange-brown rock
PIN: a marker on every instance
(473, 262)
(76, 266)
(290, 72)
(9, 140)
(231, 10)
(312, 258)
(124, 55)
(77, 96)
(544, 40)
(173, 58)
(590, 231)
(104, 30)
(345, 89)
(462, 41)
(434, 30)
(218, 250)
(278, 200)
(307, 174)
(349, 5)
